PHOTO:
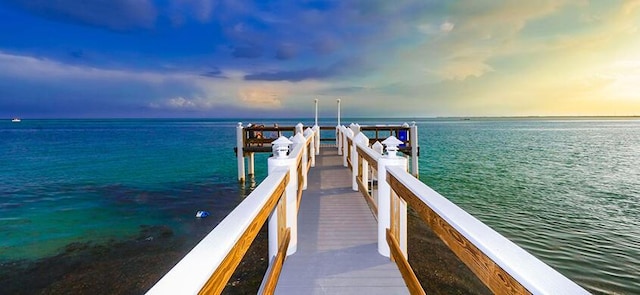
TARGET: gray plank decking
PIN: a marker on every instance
(337, 239)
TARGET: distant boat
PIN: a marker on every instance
(16, 120)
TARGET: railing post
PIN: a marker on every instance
(355, 164)
(312, 146)
(384, 197)
(280, 159)
(316, 130)
(414, 149)
(345, 144)
(299, 128)
(339, 139)
(240, 151)
(300, 140)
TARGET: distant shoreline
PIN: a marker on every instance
(344, 119)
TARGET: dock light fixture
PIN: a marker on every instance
(281, 147)
(392, 144)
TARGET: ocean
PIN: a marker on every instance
(566, 190)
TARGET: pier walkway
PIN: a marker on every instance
(337, 239)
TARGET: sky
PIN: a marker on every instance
(240, 58)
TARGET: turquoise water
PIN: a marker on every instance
(565, 190)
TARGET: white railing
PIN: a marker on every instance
(210, 264)
(501, 265)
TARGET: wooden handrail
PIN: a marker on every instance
(491, 274)
(410, 279)
(366, 154)
(270, 282)
(209, 265)
(500, 264)
(222, 274)
(365, 193)
(300, 182)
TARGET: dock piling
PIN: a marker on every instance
(240, 151)
(414, 149)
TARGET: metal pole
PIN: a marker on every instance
(316, 101)
(338, 111)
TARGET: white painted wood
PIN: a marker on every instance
(339, 138)
(193, 271)
(384, 200)
(299, 128)
(533, 274)
(251, 163)
(299, 139)
(359, 139)
(309, 134)
(239, 149)
(316, 129)
(413, 132)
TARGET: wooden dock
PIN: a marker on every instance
(332, 237)
(337, 239)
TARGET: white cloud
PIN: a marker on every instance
(447, 27)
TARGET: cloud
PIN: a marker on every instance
(181, 102)
(292, 76)
(261, 97)
(118, 15)
(447, 27)
(214, 73)
(334, 70)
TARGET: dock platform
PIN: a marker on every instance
(337, 239)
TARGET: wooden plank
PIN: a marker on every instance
(491, 274)
(337, 249)
(270, 281)
(221, 275)
(403, 265)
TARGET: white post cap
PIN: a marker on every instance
(392, 144)
(361, 138)
(377, 146)
(281, 147)
(405, 124)
(308, 131)
(298, 138)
